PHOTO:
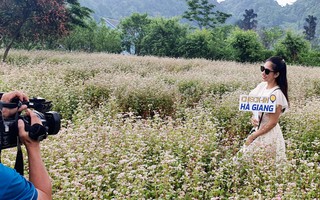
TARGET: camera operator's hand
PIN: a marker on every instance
(38, 174)
(8, 97)
(24, 136)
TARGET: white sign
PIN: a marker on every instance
(257, 104)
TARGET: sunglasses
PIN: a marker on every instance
(266, 71)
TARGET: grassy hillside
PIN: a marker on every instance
(147, 127)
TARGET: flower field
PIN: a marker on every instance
(162, 128)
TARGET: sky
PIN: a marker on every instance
(280, 2)
(284, 2)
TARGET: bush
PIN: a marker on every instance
(78, 76)
(291, 47)
(18, 60)
(313, 88)
(196, 45)
(246, 46)
(94, 95)
(222, 88)
(190, 91)
(67, 104)
(311, 58)
(145, 101)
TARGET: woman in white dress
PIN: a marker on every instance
(267, 139)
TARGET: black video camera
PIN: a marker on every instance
(9, 132)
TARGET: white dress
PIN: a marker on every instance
(271, 143)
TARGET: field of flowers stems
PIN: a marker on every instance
(162, 128)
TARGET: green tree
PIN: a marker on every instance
(196, 44)
(269, 36)
(201, 12)
(80, 38)
(164, 37)
(291, 46)
(93, 37)
(106, 39)
(31, 20)
(246, 46)
(249, 23)
(37, 21)
(219, 50)
(133, 30)
(77, 14)
(209, 44)
(310, 27)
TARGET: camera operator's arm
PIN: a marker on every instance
(38, 174)
(7, 98)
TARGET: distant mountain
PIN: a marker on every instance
(269, 12)
(123, 8)
(296, 13)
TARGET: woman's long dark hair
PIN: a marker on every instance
(280, 66)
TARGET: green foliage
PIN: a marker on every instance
(78, 14)
(93, 38)
(31, 21)
(305, 134)
(310, 28)
(80, 38)
(291, 46)
(201, 12)
(163, 37)
(18, 60)
(106, 40)
(310, 58)
(316, 87)
(313, 88)
(225, 111)
(67, 103)
(78, 76)
(208, 44)
(94, 95)
(246, 46)
(35, 24)
(219, 50)
(145, 102)
(222, 89)
(196, 44)
(134, 28)
(21, 60)
(54, 60)
(191, 91)
(249, 23)
(269, 36)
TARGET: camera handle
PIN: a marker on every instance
(18, 166)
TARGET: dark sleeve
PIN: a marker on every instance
(14, 186)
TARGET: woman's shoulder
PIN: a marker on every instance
(281, 99)
(257, 90)
(262, 85)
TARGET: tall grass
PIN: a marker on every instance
(162, 128)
